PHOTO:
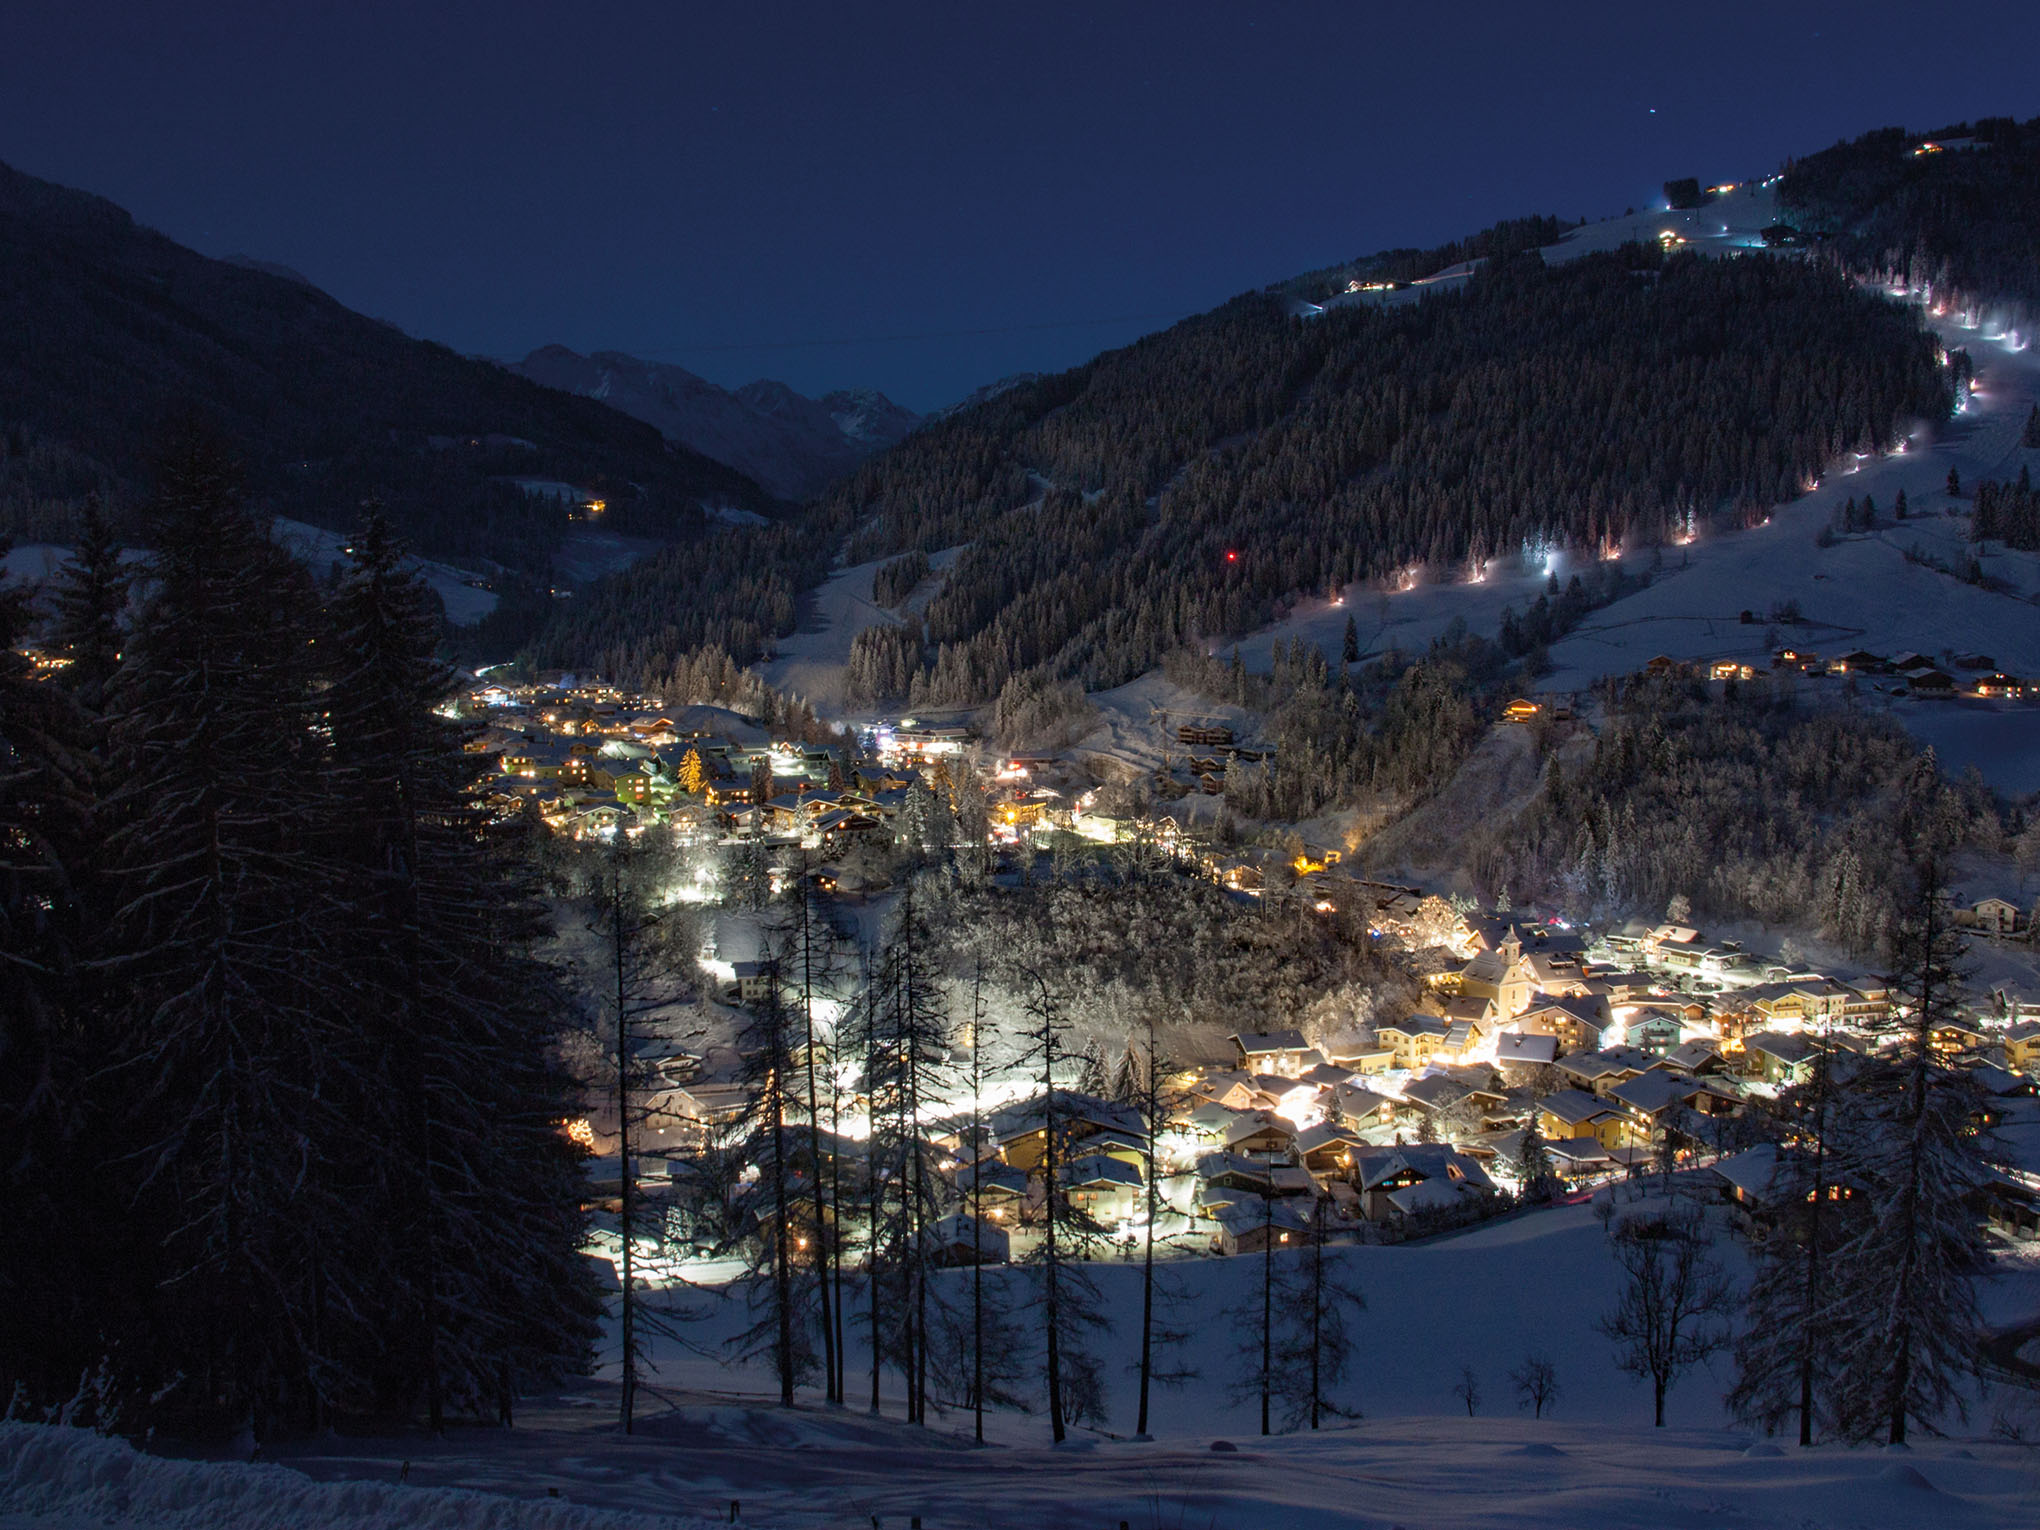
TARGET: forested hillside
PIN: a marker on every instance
(1182, 490)
(1205, 475)
(113, 332)
(1964, 217)
(1745, 803)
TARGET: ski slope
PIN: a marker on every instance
(1860, 592)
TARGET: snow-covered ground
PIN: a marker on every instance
(809, 662)
(320, 549)
(314, 546)
(1484, 1298)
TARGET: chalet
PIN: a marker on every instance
(1360, 1106)
(1329, 1148)
(1568, 1114)
(752, 982)
(1598, 1072)
(1859, 661)
(1929, 682)
(1655, 1097)
(1398, 1182)
(1022, 1129)
(959, 1239)
(1959, 1035)
(1993, 916)
(1577, 1158)
(1253, 1227)
(1650, 1028)
(1575, 1024)
(999, 1187)
(1412, 1041)
(2022, 1046)
(1261, 1132)
(1763, 1182)
(1101, 1187)
(1778, 1059)
(1695, 1059)
(1521, 710)
(2008, 687)
(1284, 1052)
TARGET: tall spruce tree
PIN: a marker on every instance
(232, 1003)
(88, 597)
(1784, 1355)
(472, 1194)
(1905, 1282)
(53, 1186)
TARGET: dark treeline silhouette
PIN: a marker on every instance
(1965, 219)
(2007, 513)
(282, 1124)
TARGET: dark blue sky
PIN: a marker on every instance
(955, 191)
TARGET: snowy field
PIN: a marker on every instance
(710, 1435)
(845, 1473)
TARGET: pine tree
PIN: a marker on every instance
(812, 960)
(231, 1004)
(769, 1044)
(1784, 1355)
(693, 775)
(1069, 1301)
(90, 593)
(54, 1260)
(475, 1213)
(1905, 1282)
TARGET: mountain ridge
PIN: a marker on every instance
(115, 332)
(793, 445)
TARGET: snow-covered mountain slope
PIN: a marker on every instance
(466, 601)
(795, 446)
(1871, 590)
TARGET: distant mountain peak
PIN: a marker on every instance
(794, 445)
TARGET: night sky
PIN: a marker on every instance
(925, 197)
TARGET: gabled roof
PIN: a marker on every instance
(1692, 1056)
(1427, 1160)
(1572, 1106)
(1654, 1092)
(1788, 1049)
(1435, 1091)
(1326, 1134)
(1512, 1047)
(1251, 1123)
(1241, 1218)
(1414, 1025)
(1257, 1043)
(1097, 1169)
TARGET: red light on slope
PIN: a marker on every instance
(1231, 556)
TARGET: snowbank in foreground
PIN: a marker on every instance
(72, 1479)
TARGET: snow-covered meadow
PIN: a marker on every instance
(710, 1435)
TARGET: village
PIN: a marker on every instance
(1540, 1061)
